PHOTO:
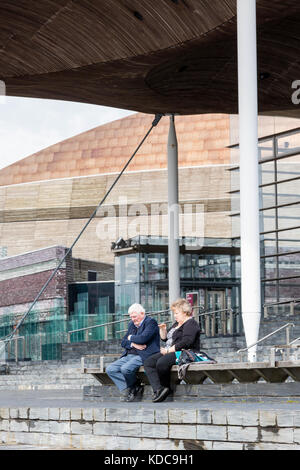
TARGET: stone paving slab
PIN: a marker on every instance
(74, 399)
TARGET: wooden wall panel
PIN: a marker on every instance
(54, 212)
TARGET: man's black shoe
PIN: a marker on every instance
(162, 395)
(155, 394)
(135, 391)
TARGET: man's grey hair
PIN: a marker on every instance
(136, 308)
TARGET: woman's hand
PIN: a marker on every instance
(163, 351)
(162, 326)
(140, 347)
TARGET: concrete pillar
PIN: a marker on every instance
(173, 214)
(249, 172)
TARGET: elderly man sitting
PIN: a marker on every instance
(141, 341)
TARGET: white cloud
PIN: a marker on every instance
(29, 125)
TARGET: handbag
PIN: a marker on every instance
(186, 357)
(203, 357)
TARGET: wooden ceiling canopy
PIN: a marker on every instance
(162, 56)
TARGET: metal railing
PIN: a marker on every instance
(295, 341)
(276, 305)
(286, 349)
(8, 351)
(217, 322)
(106, 325)
(287, 326)
(47, 344)
(87, 329)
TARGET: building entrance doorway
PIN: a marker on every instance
(218, 322)
(215, 300)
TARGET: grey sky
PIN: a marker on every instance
(29, 125)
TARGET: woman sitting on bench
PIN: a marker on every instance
(184, 334)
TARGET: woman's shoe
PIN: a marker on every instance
(162, 395)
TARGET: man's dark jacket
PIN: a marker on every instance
(147, 333)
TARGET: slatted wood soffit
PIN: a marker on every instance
(163, 56)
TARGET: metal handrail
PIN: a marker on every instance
(147, 313)
(281, 348)
(287, 325)
(97, 326)
(116, 321)
(291, 302)
(16, 339)
(294, 341)
(296, 301)
(105, 325)
(216, 311)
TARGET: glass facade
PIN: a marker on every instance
(37, 340)
(91, 298)
(211, 273)
(279, 164)
(90, 304)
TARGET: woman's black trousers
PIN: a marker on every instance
(158, 369)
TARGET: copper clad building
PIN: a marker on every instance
(47, 198)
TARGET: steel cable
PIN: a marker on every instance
(10, 336)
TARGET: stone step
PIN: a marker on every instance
(195, 393)
(44, 376)
(41, 379)
(37, 373)
(58, 373)
(25, 368)
(42, 387)
(52, 377)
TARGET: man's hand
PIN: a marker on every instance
(140, 347)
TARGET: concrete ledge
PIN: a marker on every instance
(257, 392)
(152, 428)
